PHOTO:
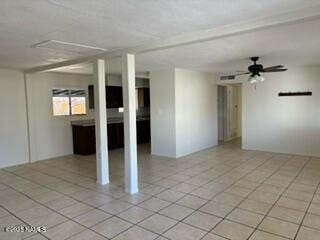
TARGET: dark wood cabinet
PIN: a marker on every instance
(115, 135)
(114, 97)
(146, 96)
(91, 96)
(84, 141)
(143, 131)
(143, 97)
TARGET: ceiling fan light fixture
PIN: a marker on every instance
(255, 78)
(252, 80)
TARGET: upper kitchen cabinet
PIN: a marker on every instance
(114, 97)
(146, 93)
(91, 96)
(143, 97)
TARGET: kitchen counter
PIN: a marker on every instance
(91, 122)
(84, 139)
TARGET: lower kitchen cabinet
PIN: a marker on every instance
(143, 131)
(84, 141)
(115, 135)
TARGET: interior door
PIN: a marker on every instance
(221, 112)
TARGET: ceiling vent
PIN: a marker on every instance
(230, 77)
(68, 47)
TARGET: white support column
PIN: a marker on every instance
(129, 116)
(29, 114)
(102, 160)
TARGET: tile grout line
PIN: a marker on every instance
(68, 218)
(286, 188)
(23, 221)
(158, 212)
(53, 210)
(306, 212)
(198, 209)
(180, 221)
(152, 195)
(245, 198)
(115, 215)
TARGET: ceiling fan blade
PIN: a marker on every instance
(275, 70)
(273, 67)
(239, 74)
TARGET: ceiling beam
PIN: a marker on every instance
(290, 18)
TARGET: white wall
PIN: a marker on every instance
(51, 136)
(183, 112)
(283, 124)
(162, 113)
(195, 111)
(13, 121)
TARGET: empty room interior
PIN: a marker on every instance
(167, 120)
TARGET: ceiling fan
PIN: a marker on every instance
(255, 69)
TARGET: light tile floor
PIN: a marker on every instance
(219, 193)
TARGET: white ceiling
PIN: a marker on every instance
(290, 45)
(118, 24)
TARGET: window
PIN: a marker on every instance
(61, 102)
(68, 102)
(78, 102)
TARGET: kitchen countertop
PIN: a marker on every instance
(91, 122)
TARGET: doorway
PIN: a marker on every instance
(229, 112)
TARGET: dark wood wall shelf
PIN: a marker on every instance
(290, 94)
